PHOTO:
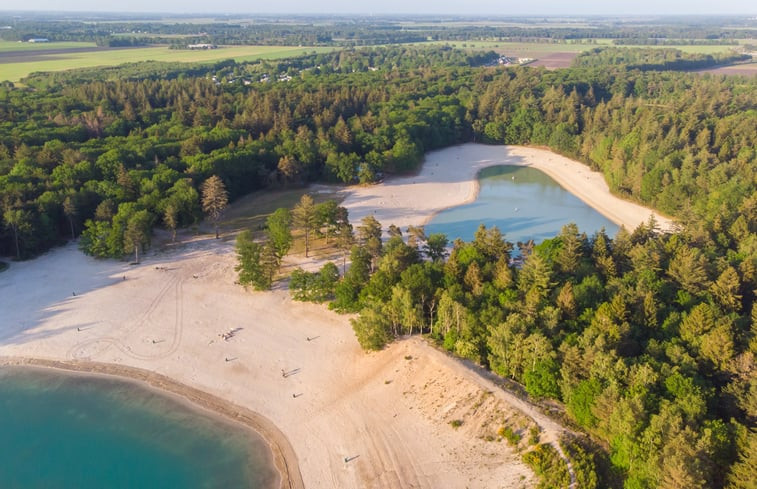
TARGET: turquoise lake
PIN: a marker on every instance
(70, 431)
(524, 204)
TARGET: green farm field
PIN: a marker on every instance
(68, 60)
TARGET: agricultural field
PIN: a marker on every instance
(65, 59)
(554, 55)
(14, 46)
(745, 69)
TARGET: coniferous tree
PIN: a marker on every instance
(305, 218)
(215, 199)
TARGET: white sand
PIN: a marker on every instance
(390, 410)
(392, 413)
(449, 178)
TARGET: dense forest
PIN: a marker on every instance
(78, 155)
(648, 339)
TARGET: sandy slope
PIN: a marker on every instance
(389, 412)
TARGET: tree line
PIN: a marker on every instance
(344, 32)
(676, 141)
(656, 59)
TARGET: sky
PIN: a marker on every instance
(469, 7)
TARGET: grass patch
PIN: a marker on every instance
(533, 438)
(3, 266)
(508, 434)
(551, 470)
(251, 211)
(112, 57)
(456, 423)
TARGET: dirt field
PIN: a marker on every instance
(554, 60)
(40, 55)
(748, 69)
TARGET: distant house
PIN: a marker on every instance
(39, 39)
(202, 46)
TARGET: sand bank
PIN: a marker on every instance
(448, 178)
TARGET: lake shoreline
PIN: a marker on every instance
(282, 454)
(449, 178)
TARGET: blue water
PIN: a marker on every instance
(70, 431)
(524, 204)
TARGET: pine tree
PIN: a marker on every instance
(69, 209)
(304, 217)
(171, 219)
(215, 198)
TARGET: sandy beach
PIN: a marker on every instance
(448, 179)
(336, 417)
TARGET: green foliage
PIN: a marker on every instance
(372, 328)
(508, 434)
(581, 401)
(742, 475)
(347, 291)
(533, 437)
(137, 232)
(305, 218)
(648, 336)
(257, 262)
(541, 381)
(279, 226)
(582, 462)
(314, 286)
(551, 470)
(129, 133)
(654, 59)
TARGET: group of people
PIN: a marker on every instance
(229, 334)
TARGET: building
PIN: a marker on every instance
(202, 46)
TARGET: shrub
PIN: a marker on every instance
(508, 434)
(548, 466)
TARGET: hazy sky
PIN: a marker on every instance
(493, 7)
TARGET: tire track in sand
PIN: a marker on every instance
(83, 349)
